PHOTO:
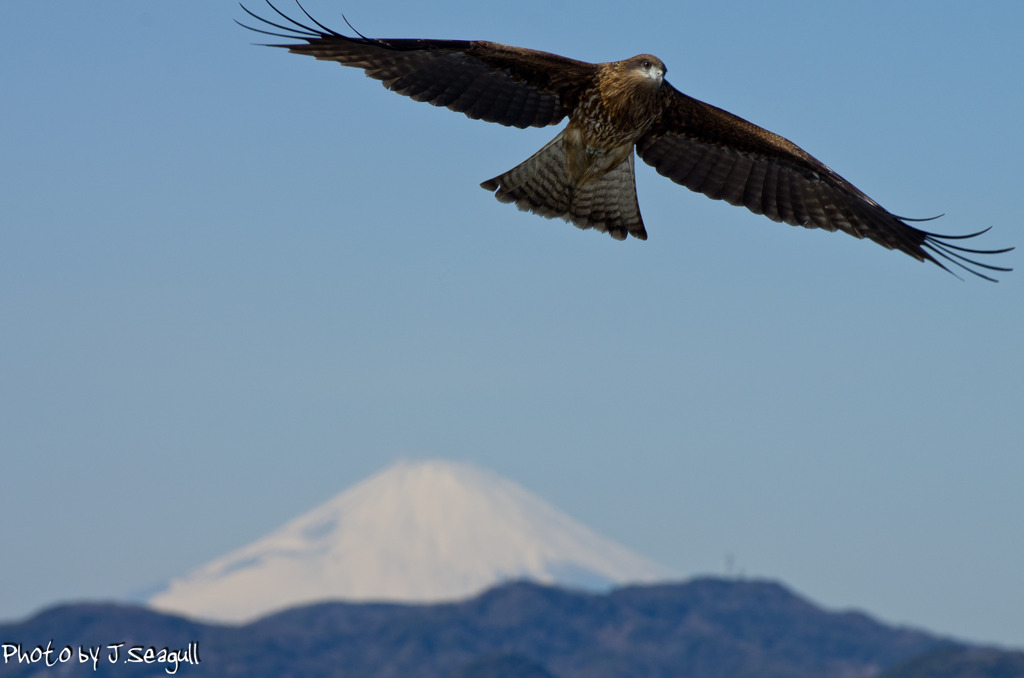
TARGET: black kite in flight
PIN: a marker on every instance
(585, 174)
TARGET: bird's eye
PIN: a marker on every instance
(646, 65)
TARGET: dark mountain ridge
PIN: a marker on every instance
(704, 628)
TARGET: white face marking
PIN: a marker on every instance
(653, 71)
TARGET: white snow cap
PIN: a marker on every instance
(415, 532)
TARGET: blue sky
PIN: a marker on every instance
(235, 281)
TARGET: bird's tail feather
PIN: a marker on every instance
(542, 185)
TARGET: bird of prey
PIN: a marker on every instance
(585, 174)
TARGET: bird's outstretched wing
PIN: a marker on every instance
(485, 80)
(716, 153)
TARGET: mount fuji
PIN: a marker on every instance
(415, 532)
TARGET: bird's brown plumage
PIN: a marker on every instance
(585, 174)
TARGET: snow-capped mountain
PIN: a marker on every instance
(415, 532)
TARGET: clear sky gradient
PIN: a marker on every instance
(235, 281)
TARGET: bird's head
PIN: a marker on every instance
(647, 66)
